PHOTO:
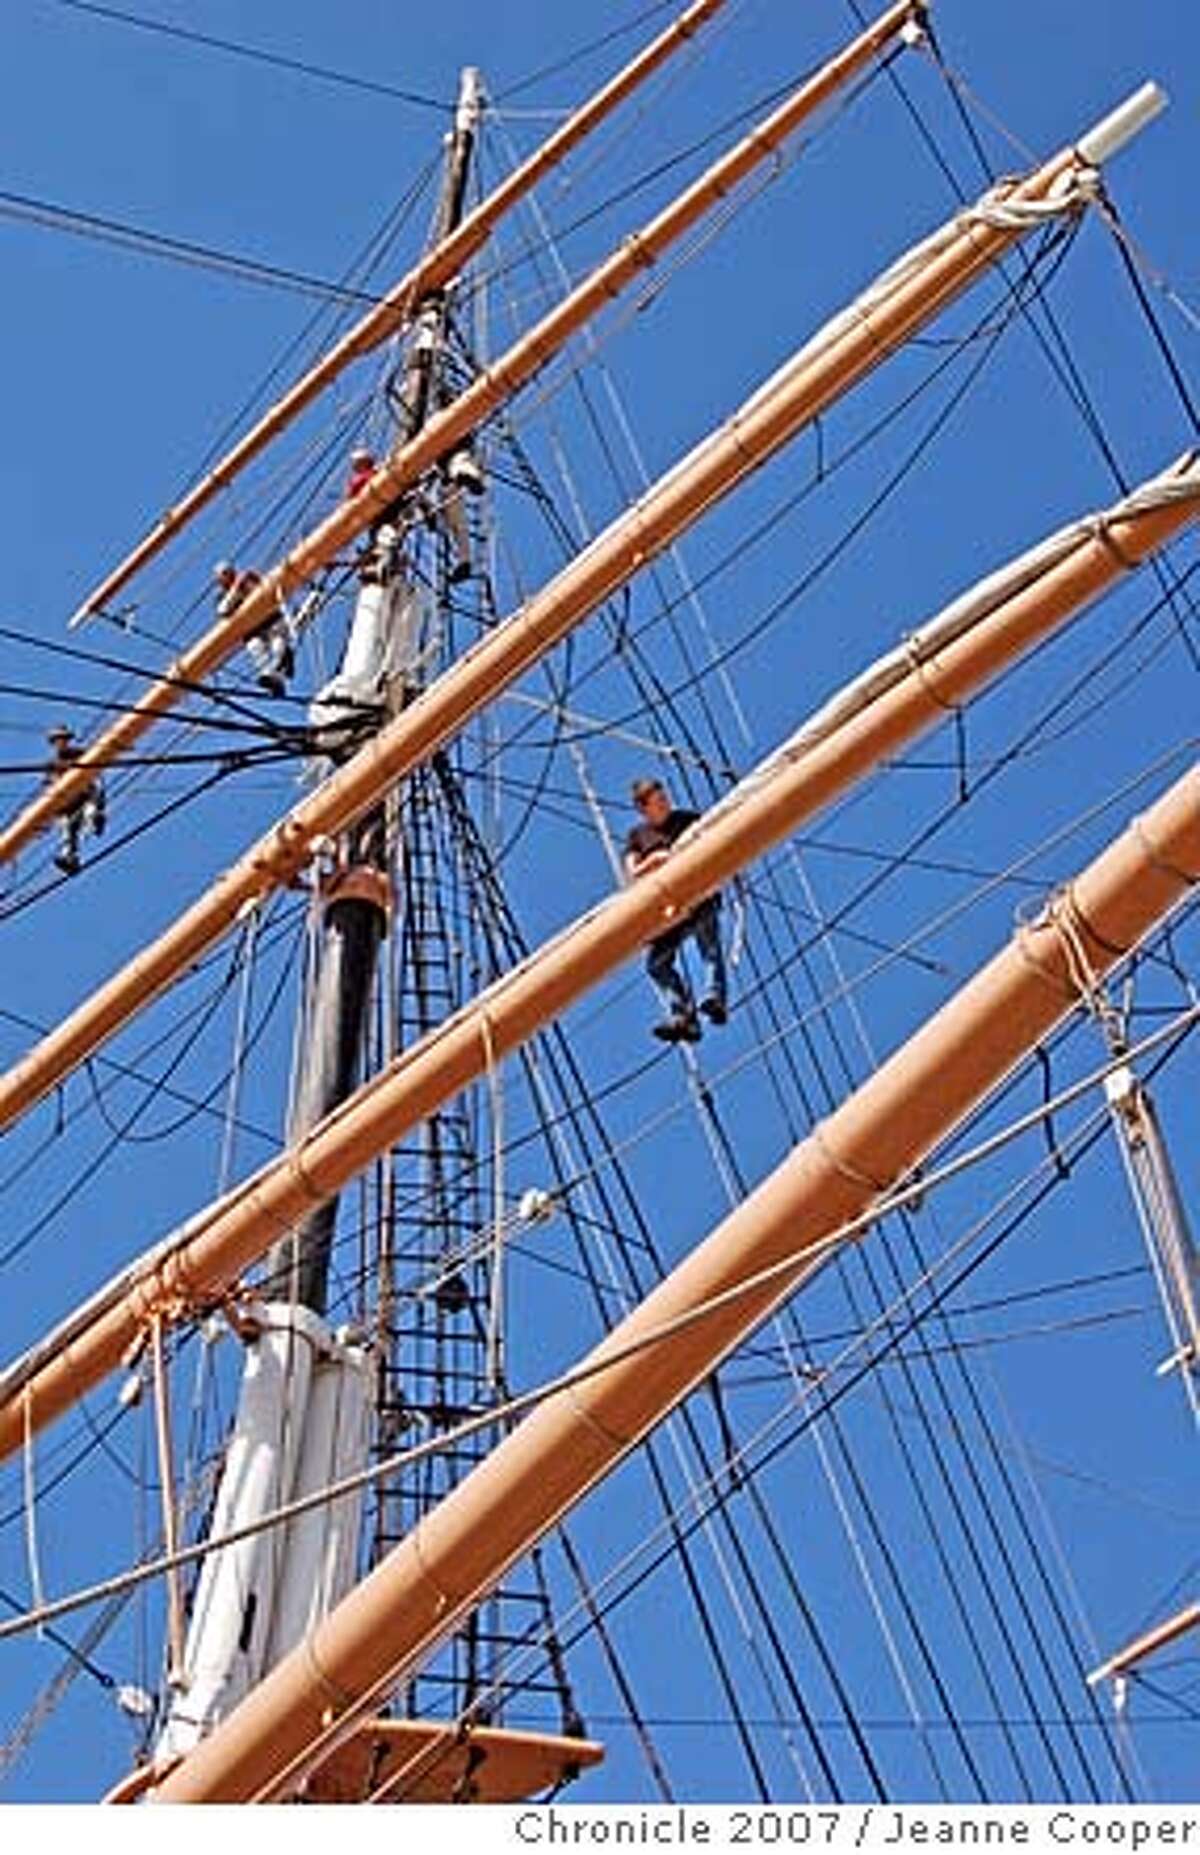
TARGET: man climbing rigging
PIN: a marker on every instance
(270, 647)
(647, 847)
(462, 478)
(89, 812)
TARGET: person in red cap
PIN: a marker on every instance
(363, 466)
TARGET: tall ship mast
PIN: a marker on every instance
(610, 1213)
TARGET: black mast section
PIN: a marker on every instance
(355, 907)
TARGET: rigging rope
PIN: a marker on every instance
(1172, 1035)
(256, 54)
(721, 1495)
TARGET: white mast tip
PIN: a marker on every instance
(1121, 125)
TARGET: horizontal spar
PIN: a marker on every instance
(842, 353)
(444, 431)
(893, 702)
(458, 1552)
(439, 435)
(394, 311)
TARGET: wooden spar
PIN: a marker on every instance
(939, 667)
(176, 1613)
(840, 355)
(394, 310)
(1149, 1643)
(456, 1553)
(439, 435)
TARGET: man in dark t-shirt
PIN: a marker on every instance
(647, 847)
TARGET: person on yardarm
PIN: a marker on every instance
(647, 847)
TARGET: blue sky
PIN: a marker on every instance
(118, 372)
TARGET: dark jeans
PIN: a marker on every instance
(89, 813)
(704, 927)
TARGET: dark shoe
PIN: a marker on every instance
(715, 1010)
(680, 1027)
(271, 683)
(67, 863)
(460, 571)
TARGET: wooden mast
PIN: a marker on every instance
(843, 352)
(893, 702)
(519, 364)
(315, 1699)
(354, 906)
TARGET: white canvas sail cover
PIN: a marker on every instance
(320, 1546)
(301, 1422)
(390, 636)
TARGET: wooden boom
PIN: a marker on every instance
(440, 433)
(455, 1554)
(906, 297)
(899, 697)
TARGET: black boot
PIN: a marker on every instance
(683, 1026)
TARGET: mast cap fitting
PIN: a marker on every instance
(1121, 124)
